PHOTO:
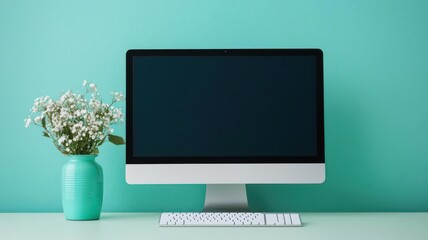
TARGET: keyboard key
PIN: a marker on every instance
(287, 219)
(295, 219)
(281, 219)
(271, 219)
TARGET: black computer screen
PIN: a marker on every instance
(225, 108)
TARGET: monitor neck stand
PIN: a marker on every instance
(226, 198)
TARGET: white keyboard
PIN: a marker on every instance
(230, 219)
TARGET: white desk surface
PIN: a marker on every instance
(128, 226)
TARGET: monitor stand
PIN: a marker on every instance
(226, 198)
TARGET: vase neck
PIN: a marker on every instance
(81, 157)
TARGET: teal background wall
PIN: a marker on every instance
(376, 83)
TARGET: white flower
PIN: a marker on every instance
(117, 96)
(38, 119)
(93, 87)
(61, 140)
(84, 83)
(27, 122)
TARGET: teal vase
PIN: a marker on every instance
(82, 188)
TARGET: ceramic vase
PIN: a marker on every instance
(82, 188)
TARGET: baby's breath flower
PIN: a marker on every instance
(61, 140)
(117, 96)
(27, 122)
(93, 87)
(38, 119)
(76, 125)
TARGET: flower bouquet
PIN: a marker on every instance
(78, 125)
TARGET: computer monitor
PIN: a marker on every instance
(225, 118)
